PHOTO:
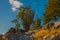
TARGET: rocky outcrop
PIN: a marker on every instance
(56, 37)
(52, 37)
(19, 36)
(49, 25)
(50, 31)
(43, 34)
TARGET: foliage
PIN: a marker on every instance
(52, 12)
(27, 16)
(36, 24)
(16, 22)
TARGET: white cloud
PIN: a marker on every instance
(14, 9)
(15, 4)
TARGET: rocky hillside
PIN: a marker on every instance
(50, 31)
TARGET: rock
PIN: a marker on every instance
(57, 27)
(52, 37)
(12, 37)
(20, 36)
(56, 37)
(49, 25)
(47, 37)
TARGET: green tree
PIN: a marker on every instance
(36, 24)
(52, 12)
(17, 23)
(27, 15)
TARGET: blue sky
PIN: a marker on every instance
(7, 15)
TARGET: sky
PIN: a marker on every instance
(8, 10)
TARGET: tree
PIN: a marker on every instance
(16, 22)
(52, 12)
(36, 24)
(27, 15)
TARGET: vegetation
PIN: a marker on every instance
(52, 12)
(17, 22)
(27, 17)
(36, 24)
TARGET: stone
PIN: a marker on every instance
(56, 37)
(20, 36)
(57, 27)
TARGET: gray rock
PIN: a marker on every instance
(20, 36)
